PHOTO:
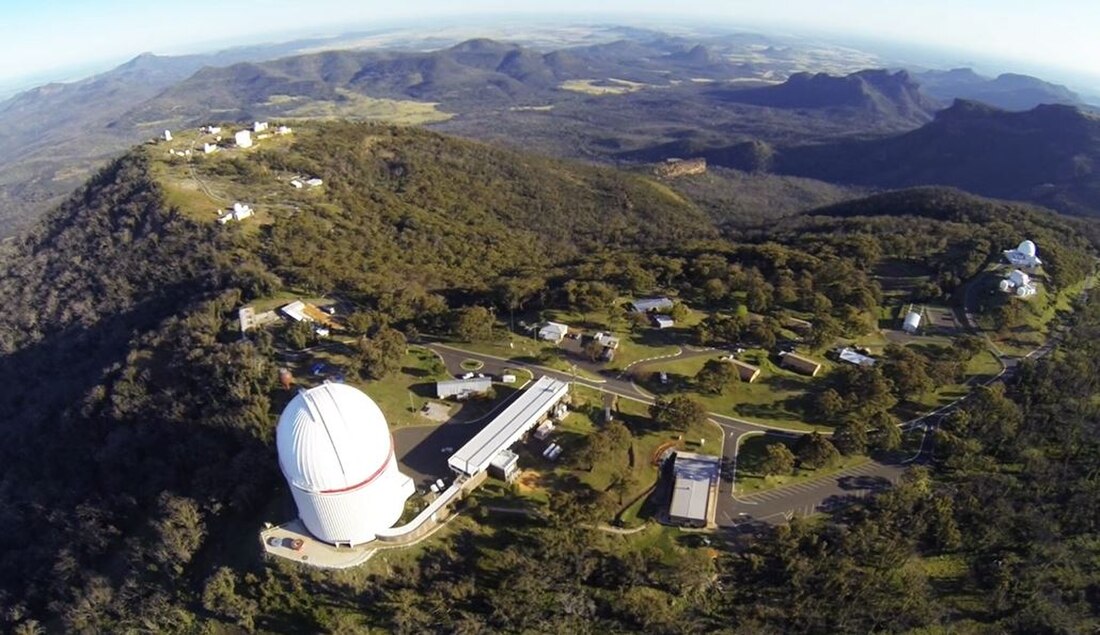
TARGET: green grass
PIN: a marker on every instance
(752, 452)
(584, 419)
(400, 396)
(471, 364)
(771, 400)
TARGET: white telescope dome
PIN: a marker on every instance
(337, 454)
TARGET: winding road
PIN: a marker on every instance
(777, 505)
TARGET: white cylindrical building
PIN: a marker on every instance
(337, 454)
(912, 322)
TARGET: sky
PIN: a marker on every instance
(47, 38)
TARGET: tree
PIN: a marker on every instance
(593, 350)
(363, 322)
(473, 324)
(180, 531)
(850, 437)
(300, 334)
(678, 413)
(907, 370)
(814, 451)
(886, 435)
(219, 596)
(829, 404)
(381, 355)
(716, 375)
(778, 460)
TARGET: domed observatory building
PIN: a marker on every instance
(336, 452)
(1023, 256)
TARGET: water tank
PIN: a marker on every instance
(336, 452)
(912, 322)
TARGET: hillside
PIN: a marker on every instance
(139, 460)
(1047, 155)
(131, 402)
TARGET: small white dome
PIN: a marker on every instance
(1027, 248)
(332, 438)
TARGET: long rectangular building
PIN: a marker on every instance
(509, 426)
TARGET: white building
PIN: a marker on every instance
(243, 138)
(211, 129)
(854, 357)
(912, 322)
(239, 212)
(314, 182)
(167, 135)
(650, 305)
(209, 148)
(283, 130)
(259, 126)
(662, 321)
(463, 388)
(296, 184)
(296, 311)
(692, 492)
(337, 454)
(553, 332)
(1023, 256)
(524, 413)
(1019, 284)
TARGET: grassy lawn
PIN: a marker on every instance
(752, 452)
(584, 419)
(400, 396)
(772, 399)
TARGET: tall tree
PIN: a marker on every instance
(778, 460)
(678, 413)
(814, 451)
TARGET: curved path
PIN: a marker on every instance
(772, 506)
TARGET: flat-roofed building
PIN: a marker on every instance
(800, 364)
(508, 427)
(694, 489)
(553, 332)
(505, 466)
(649, 305)
(855, 358)
(463, 388)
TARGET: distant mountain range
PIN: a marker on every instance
(1008, 91)
(875, 92)
(645, 97)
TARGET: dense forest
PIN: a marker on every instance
(139, 425)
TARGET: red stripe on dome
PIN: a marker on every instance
(367, 480)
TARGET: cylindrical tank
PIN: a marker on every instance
(912, 322)
(336, 452)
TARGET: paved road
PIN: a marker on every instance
(773, 506)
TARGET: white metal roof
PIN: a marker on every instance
(853, 357)
(331, 438)
(645, 305)
(695, 474)
(507, 427)
(457, 386)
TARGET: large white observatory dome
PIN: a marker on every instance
(337, 455)
(1027, 248)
